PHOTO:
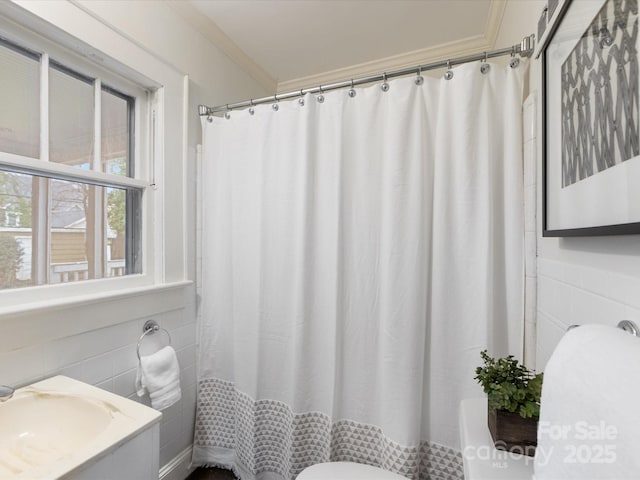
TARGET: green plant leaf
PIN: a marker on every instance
(510, 385)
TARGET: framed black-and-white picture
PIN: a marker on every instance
(591, 126)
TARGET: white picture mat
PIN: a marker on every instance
(610, 197)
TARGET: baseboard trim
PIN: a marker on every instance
(179, 467)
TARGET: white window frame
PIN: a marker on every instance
(80, 41)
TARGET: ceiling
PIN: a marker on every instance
(295, 43)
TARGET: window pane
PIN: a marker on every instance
(19, 103)
(71, 232)
(115, 134)
(83, 231)
(116, 232)
(71, 121)
(88, 232)
(15, 230)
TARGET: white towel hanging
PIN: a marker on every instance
(159, 374)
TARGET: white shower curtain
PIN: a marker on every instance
(357, 255)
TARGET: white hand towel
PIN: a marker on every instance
(589, 417)
(159, 374)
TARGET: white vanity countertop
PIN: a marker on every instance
(482, 461)
(55, 427)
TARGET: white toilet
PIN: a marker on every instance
(346, 471)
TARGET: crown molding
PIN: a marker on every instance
(215, 35)
(467, 46)
(458, 48)
(494, 21)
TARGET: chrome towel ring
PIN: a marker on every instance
(151, 327)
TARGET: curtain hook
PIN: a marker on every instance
(448, 75)
(385, 86)
(209, 115)
(515, 61)
(320, 97)
(352, 91)
(484, 66)
(301, 99)
(419, 78)
(275, 105)
(227, 114)
(251, 109)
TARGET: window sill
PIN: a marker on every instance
(42, 321)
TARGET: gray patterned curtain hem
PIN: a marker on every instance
(265, 440)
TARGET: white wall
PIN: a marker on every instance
(106, 356)
(530, 234)
(580, 280)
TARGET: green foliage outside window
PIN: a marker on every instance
(10, 260)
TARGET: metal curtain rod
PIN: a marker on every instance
(524, 49)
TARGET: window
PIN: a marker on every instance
(70, 203)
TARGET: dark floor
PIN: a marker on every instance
(211, 474)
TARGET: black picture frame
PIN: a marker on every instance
(552, 163)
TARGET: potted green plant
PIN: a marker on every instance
(513, 401)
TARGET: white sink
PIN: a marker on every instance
(35, 428)
(53, 427)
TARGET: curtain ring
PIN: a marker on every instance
(320, 97)
(352, 91)
(385, 86)
(419, 78)
(227, 114)
(275, 105)
(448, 75)
(515, 61)
(251, 109)
(301, 99)
(484, 66)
